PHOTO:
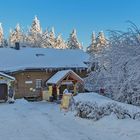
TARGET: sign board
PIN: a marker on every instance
(66, 83)
(3, 82)
(28, 82)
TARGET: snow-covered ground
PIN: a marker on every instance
(44, 121)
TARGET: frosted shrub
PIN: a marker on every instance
(136, 116)
(121, 113)
(92, 111)
(87, 110)
(106, 109)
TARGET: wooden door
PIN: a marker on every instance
(3, 92)
(54, 92)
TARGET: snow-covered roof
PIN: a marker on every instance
(60, 75)
(36, 58)
(7, 76)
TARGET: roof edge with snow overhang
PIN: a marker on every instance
(60, 75)
(42, 58)
(7, 76)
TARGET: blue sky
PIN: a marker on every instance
(64, 15)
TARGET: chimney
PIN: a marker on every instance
(17, 46)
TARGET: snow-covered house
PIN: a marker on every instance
(33, 67)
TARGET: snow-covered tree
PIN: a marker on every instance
(52, 38)
(118, 65)
(35, 33)
(97, 43)
(50, 41)
(45, 41)
(60, 43)
(73, 42)
(35, 27)
(92, 46)
(101, 40)
(16, 36)
(1, 36)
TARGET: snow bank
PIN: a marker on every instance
(95, 106)
(102, 100)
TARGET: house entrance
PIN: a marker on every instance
(54, 92)
(62, 88)
(3, 91)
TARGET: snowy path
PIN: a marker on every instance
(44, 121)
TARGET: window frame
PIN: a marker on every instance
(38, 83)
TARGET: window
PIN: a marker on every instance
(38, 83)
